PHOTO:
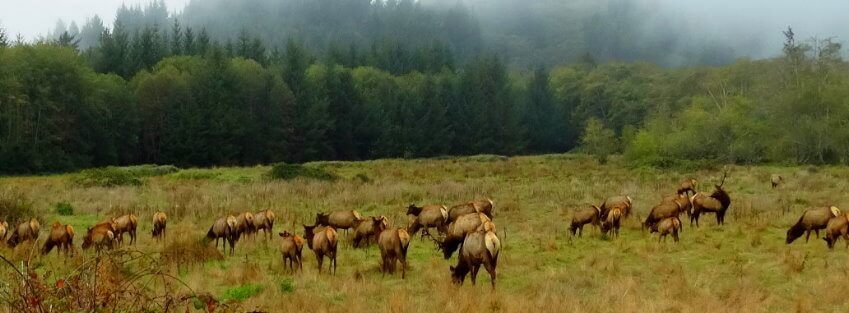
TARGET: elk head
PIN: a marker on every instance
(321, 219)
(414, 210)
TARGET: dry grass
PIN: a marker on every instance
(743, 266)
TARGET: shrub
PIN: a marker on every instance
(242, 292)
(107, 177)
(291, 171)
(14, 206)
(148, 170)
(64, 208)
(287, 285)
(196, 174)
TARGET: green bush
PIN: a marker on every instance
(196, 174)
(148, 170)
(287, 285)
(242, 292)
(107, 177)
(64, 208)
(291, 171)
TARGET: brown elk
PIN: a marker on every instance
(427, 216)
(479, 248)
(670, 206)
(322, 243)
(244, 225)
(776, 180)
(290, 248)
(687, 186)
(393, 245)
(26, 231)
(264, 220)
(367, 230)
(159, 222)
(837, 227)
(345, 219)
(485, 206)
(666, 226)
(812, 219)
(612, 222)
(224, 228)
(101, 235)
(62, 237)
(718, 203)
(4, 229)
(125, 224)
(624, 203)
(583, 216)
(458, 230)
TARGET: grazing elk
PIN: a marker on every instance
(666, 226)
(485, 206)
(61, 237)
(479, 248)
(393, 245)
(776, 180)
(101, 235)
(669, 207)
(837, 227)
(224, 228)
(812, 219)
(244, 225)
(612, 222)
(159, 222)
(583, 216)
(718, 203)
(458, 230)
(4, 228)
(687, 186)
(125, 224)
(432, 215)
(624, 203)
(26, 231)
(264, 220)
(290, 248)
(322, 243)
(367, 230)
(345, 219)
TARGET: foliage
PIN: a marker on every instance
(14, 206)
(598, 140)
(242, 292)
(64, 208)
(107, 177)
(286, 171)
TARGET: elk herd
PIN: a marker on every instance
(466, 228)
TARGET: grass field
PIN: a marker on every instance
(744, 266)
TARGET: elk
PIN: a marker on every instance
(670, 206)
(687, 186)
(479, 248)
(125, 224)
(393, 245)
(61, 236)
(670, 225)
(428, 216)
(4, 228)
(368, 229)
(322, 243)
(583, 216)
(264, 220)
(718, 202)
(812, 219)
(159, 223)
(624, 203)
(776, 180)
(612, 222)
(837, 227)
(244, 225)
(101, 235)
(26, 231)
(290, 249)
(484, 206)
(339, 219)
(225, 228)
(458, 230)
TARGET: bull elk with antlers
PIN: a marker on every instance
(717, 202)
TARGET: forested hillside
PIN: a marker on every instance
(193, 96)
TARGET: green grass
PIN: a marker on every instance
(743, 266)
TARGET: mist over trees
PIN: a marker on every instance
(153, 88)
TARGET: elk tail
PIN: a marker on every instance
(493, 244)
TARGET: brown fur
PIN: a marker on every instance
(125, 224)
(322, 242)
(812, 219)
(479, 248)
(484, 206)
(458, 230)
(160, 220)
(61, 236)
(4, 229)
(613, 222)
(339, 219)
(393, 245)
(583, 216)
(670, 206)
(776, 180)
(26, 231)
(264, 220)
(290, 248)
(717, 202)
(367, 230)
(428, 216)
(101, 235)
(224, 228)
(837, 227)
(244, 225)
(687, 186)
(623, 203)
(666, 226)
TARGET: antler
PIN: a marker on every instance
(724, 175)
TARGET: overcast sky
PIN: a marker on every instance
(31, 18)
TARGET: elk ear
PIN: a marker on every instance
(452, 268)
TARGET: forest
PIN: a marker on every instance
(388, 80)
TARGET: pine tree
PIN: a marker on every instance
(176, 38)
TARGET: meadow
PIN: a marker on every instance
(744, 266)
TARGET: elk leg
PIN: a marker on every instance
(817, 231)
(490, 267)
(475, 270)
(807, 236)
(320, 259)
